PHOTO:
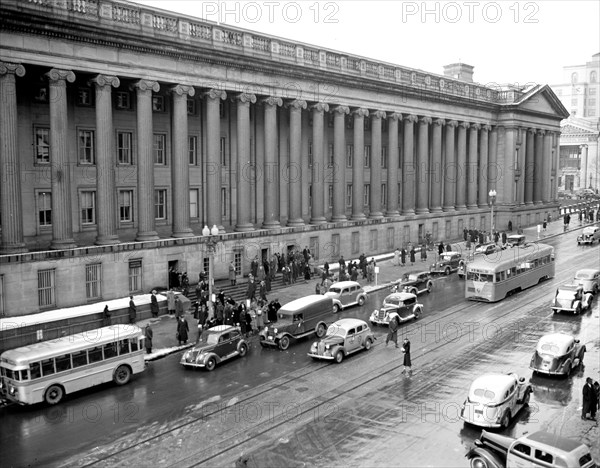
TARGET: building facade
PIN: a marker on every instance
(125, 130)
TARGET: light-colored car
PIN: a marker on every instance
(217, 344)
(494, 399)
(516, 240)
(345, 294)
(589, 279)
(589, 235)
(557, 354)
(344, 337)
(401, 304)
(535, 450)
(571, 298)
(487, 249)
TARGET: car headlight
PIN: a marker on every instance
(275, 330)
(266, 329)
(327, 346)
(12, 390)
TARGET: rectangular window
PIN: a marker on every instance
(348, 194)
(95, 354)
(367, 195)
(48, 366)
(46, 288)
(84, 97)
(42, 145)
(221, 109)
(194, 197)
(110, 350)
(330, 155)
(223, 151)
(79, 358)
(135, 275)
(44, 207)
(126, 206)
(193, 150)
(330, 195)
(384, 157)
(349, 155)
(367, 155)
(63, 363)
(191, 106)
(159, 147)
(373, 240)
(158, 104)
(223, 202)
(93, 281)
(85, 147)
(160, 204)
(383, 195)
(355, 241)
(123, 100)
(87, 203)
(124, 148)
(310, 154)
(389, 238)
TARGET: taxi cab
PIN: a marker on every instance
(345, 294)
(557, 354)
(403, 305)
(344, 337)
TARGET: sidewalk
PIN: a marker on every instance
(163, 327)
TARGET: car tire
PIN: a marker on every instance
(368, 343)
(526, 398)
(505, 421)
(339, 357)
(211, 364)
(417, 314)
(320, 330)
(122, 375)
(447, 271)
(578, 309)
(336, 308)
(568, 370)
(284, 343)
(429, 286)
(54, 394)
(479, 462)
(361, 301)
(595, 290)
(243, 349)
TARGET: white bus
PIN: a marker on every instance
(49, 370)
(490, 278)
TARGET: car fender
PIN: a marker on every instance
(493, 459)
(588, 298)
(242, 342)
(363, 295)
(418, 308)
(214, 355)
(577, 303)
(338, 303)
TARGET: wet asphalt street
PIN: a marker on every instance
(282, 409)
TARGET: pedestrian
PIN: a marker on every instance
(589, 400)
(318, 288)
(403, 256)
(596, 388)
(107, 321)
(251, 290)
(232, 273)
(423, 253)
(397, 257)
(441, 249)
(182, 330)
(178, 306)
(448, 248)
(324, 275)
(148, 341)
(263, 291)
(393, 331)
(243, 320)
(171, 302)
(132, 310)
(326, 268)
(407, 362)
(154, 304)
(544, 225)
(412, 256)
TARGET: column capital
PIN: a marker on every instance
(297, 104)
(378, 114)
(425, 120)
(105, 80)
(486, 127)
(395, 116)
(272, 101)
(146, 85)
(361, 112)
(12, 68)
(452, 123)
(57, 74)
(215, 94)
(320, 107)
(181, 90)
(475, 126)
(411, 118)
(343, 110)
(532, 131)
(541, 132)
(464, 125)
(439, 122)
(245, 98)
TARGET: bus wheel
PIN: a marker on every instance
(122, 375)
(54, 394)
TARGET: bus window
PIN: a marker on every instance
(110, 350)
(79, 358)
(48, 366)
(133, 342)
(63, 362)
(123, 347)
(95, 354)
(498, 277)
(513, 271)
(35, 369)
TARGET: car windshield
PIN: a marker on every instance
(209, 337)
(284, 318)
(393, 301)
(484, 395)
(335, 290)
(584, 275)
(335, 330)
(566, 293)
(549, 348)
(447, 257)
(413, 277)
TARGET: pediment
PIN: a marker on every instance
(543, 100)
(570, 129)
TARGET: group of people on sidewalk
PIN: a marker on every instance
(591, 399)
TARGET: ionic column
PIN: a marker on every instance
(271, 172)
(375, 198)
(482, 173)
(180, 180)
(520, 149)
(436, 169)
(243, 162)
(555, 156)
(451, 169)
(408, 166)
(507, 194)
(584, 164)
(547, 168)
(62, 225)
(11, 208)
(145, 160)
(538, 168)
(423, 166)
(529, 165)
(358, 164)
(392, 173)
(213, 163)
(318, 176)
(494, 172)
(339, 151)
(295, 175)
(461, 175)
(472, 167)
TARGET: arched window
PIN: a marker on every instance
(574, 77)
(593, 77)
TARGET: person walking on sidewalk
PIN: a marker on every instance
(589, 400)
(232, 273)
(393, 331)
(107, 321)
(171, 302)
(412, 256)
(407, 361)
(154, 304)
(182, 330)
(178, 307)
(132, 310)
(148, 341)
(403, 256)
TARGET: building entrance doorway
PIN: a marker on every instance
(173, 274)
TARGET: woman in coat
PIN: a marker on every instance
(403, 256)
(154, 304)
(182, 330)
(412, 256)
(148, 341)
(407, 362)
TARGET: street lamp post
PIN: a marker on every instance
(492, 194)
(211, 246)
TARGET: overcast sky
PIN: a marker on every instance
(511, 41)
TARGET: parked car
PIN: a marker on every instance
(494, 399)
(515, 240)
(298, 319)
(448, 263)
(571, 298)
(345, 294)
(217, 344)
(535, 450)
(401, 304)
(415, 283)
(344, 337)
(557, 353)
(487, 249)
(589, 235)
(589, 279)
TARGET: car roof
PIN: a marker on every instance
(348, 323)
(450, 253)
(569, 287)
(494, 381)
(220, 328)
(590, 229)
(344, 284)
(298, 304)
(588, 271)
(516, 236)
(402, 296)
(417, 273)
(553, 440)
(562, 340)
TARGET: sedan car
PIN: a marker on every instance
(448, 263)
(571, 298)
(487, 249)
(217, 344)
(589, 279)
(401, 304)
(415, 283)
(494, 399)
(589, 235)
(345, 294)
(344, 337)
(557, 354)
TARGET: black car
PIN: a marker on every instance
(217, 344)
(415, 283)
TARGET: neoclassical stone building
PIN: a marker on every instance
(125, 130)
